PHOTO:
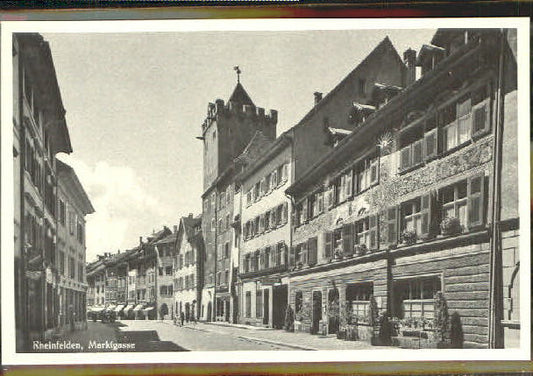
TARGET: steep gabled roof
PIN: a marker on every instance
(374, 56)
(68, 175)
(240, 96)
(257, 146)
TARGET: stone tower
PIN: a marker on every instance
(229, 127)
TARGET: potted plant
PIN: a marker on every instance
(441, 320)
(408, 237)
(373, 319)
(339, 254)
(451, 226)
(302, 317)
(289, 319)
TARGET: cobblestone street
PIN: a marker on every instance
(217, 337)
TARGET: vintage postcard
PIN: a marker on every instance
(265, 190)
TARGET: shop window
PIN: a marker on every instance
(414, 297)
(358, 298)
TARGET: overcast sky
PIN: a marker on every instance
(135, 103)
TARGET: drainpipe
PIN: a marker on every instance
(495, 298)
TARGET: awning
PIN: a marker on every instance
(111, 307)
(138, 308)
(148, 309)
(129, 307)
(119, 308)
(97, 309)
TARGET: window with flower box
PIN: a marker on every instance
(416, 215)
(365, 232)
(414, 297)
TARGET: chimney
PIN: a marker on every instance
(318, 97)
(175, 229)
(409, 58)
(140, 240)
(190, 215)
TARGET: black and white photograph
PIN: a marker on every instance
(264, 188)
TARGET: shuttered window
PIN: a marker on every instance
(430, 144)
(347, 238)
(328, 249)
(392, 225)
(366, 232)
(292, 257)
(312, 245)
(481, 118)
(476, 200)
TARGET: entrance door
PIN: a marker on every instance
(280, 296)
(209, 311)
(333, 311)
(317, 311)
(266, 306)
(226, 310)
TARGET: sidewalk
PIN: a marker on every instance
(296, 341)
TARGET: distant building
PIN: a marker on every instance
(188, 271)
(73, 206)
(166, 250)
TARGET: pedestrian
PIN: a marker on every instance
(182, 317)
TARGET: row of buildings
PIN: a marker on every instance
(399, 183)
(50, 204)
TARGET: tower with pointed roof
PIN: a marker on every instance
(226, 132)
(229, 127)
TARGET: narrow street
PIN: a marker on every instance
(148, 335)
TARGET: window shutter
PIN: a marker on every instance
(417, 152)
(374, 171)
(261, 223)
(312, 251)
(347, 239)
(285, 216)
(305, 210)
(349, 184)
(475, 191)
(392, 225)
(328, 250)
(373, 231)
(303, 253)
(274, 179)
(292, 260)
(430, 144)
(320, 198)
(405, 158)
(425, 212)
(481, 118)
